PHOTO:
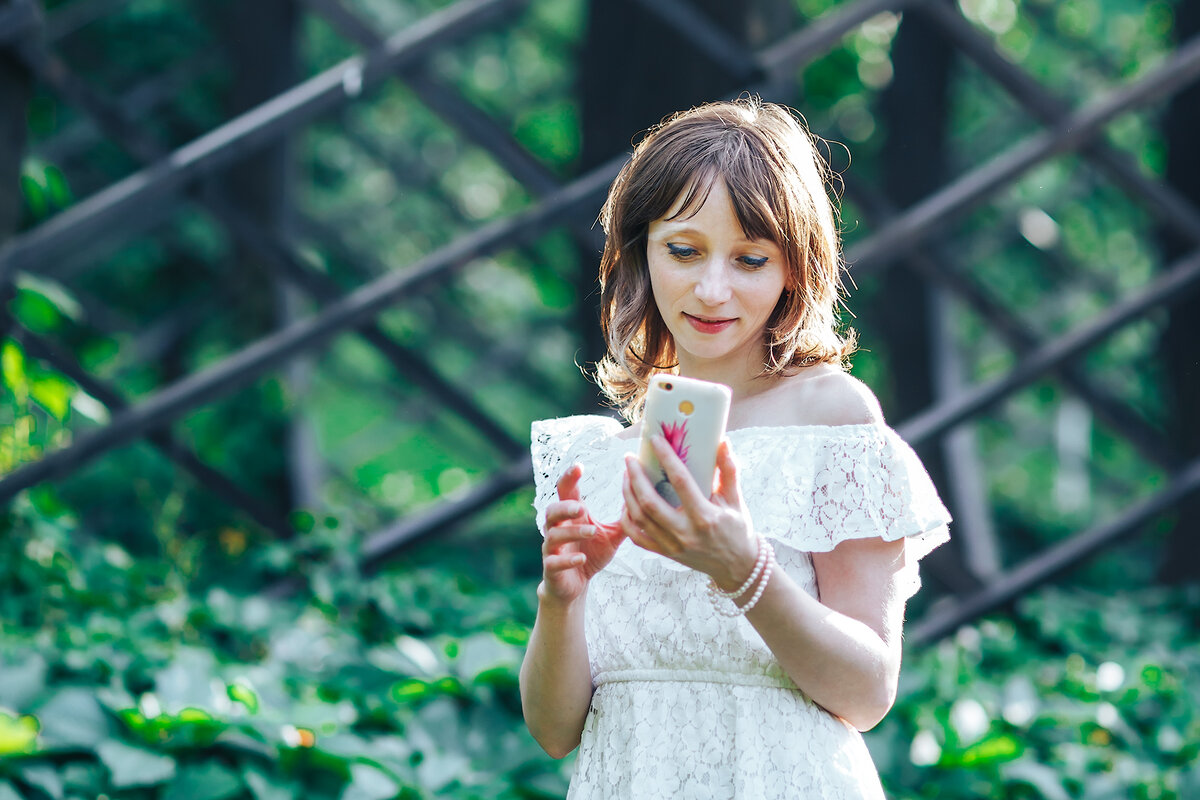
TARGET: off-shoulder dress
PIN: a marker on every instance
(689, 703)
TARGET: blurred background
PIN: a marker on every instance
(285, 281)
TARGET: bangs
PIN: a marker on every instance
(748, 179)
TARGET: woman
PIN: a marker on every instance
(735, 645)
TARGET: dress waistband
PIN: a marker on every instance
(693, 676)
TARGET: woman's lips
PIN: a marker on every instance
(709, 325)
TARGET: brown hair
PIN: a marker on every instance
(768, 162)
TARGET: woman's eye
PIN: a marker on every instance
(680, 251)
(754, 262)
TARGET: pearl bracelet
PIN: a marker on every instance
(759, 562)
(768, 564)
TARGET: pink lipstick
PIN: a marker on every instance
(709, 325)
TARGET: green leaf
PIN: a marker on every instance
(206, 781)
(134, 766)
(12, 369)
(7, 792)
(241, 693)
(44, 777)
(23, 681)
(368, 783)
(57, 186)
(410, 690)
(53, 394)
(17, 734)
(1004, 747)
(73, 718)
(36, 312)
(263, 789)
(186, 683)
(512, 633)
(35, 197)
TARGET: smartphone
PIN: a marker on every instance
(691, 415)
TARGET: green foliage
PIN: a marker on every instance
(1076, 695)
(119, 681)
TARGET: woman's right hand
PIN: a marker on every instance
(576, 547)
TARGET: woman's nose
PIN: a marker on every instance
(712, 287)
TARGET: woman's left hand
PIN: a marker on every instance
(709, 534)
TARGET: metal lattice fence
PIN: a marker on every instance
(439, 319)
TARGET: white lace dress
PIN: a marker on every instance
(691, 704)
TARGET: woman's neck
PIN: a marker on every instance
(743, 376)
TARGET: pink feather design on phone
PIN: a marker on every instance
(675, 436)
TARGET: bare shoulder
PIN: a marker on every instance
(831, 397)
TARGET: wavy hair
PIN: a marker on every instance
(778, 185)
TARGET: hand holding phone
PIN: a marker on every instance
(691, 415)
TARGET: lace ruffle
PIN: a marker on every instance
(809, 488)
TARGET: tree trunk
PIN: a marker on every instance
(15, 92)
(260, 39)
(1179, 343)
(905, 315)
(16, 89)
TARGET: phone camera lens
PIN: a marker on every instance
(667, 387)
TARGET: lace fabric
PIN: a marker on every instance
(692, 704)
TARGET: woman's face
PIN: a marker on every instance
(714, 288)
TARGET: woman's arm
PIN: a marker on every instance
(556, 677)
(842, 651)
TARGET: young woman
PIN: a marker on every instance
(732, 646)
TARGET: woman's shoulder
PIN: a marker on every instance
(828, 396)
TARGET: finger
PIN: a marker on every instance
(727, 475)
(650, 503)
(677, 473)
(560, 512)
(637, 535)
(560, 535)
(634, 511)
(552, 565)
(643, 529)
(568, 483)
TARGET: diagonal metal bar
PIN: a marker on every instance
(137, 102)
(911, 227)
(367, 267)
(65, 20)
(1039, 101)
(213, 480)
(725, 51)
(1168, 288)
(322, 93)
(781, 59)
(1055, 561)
(281, 255)
(938, 265)
(448, 103)
(351, 310)
(387, 542)
(323, 289)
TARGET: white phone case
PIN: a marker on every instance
(690, 414)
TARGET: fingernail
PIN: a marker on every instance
(587, 530)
